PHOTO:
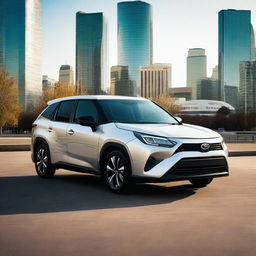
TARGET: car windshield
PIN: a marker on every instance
(135, 111)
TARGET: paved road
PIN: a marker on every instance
(73, 214)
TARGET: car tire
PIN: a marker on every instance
(203, 182)
(117, 172)
(43, 165)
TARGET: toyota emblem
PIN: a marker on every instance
(205, 146)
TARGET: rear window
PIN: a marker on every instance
(49, 111)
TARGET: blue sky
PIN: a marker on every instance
(178, 26)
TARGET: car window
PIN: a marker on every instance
(87, 108)
(135, 111)
(64, 111)
(49, 111)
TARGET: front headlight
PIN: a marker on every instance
(155, 140)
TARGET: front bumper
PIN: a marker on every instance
(177, 165)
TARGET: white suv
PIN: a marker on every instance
(126, 140)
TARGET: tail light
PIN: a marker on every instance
(34, 125)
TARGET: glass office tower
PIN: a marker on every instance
(234, 46)
(20, 47)
(134, 38)
(91, 52)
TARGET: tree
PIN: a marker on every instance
(9, 106)
(168, 103)
(60, 90)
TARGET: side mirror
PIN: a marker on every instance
(87, 121)
(179, 119)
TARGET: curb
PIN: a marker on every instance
(7, 148)
(241, 153)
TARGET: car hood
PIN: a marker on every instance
(171, 131)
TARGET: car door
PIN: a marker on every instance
(59, 128)
(82, 146)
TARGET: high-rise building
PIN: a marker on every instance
(215, 73)
(154, 81)
(135, 38)
(247, 85)
(120, 83)
(91, 47)
(167, 66)
(196, 68)
(66, 74)
(231, 95)
(234, 47)
(207, 89)
(20, 47)
(253, 46)
(48, 83)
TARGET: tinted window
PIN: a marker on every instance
(86, 108)
(65, 110)
(49, 111)
(135, 111)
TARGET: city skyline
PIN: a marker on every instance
(172, 38)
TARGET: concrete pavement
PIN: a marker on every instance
(73, 214)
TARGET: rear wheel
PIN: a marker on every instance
(117, 172)
(203, 182)
(43, 165)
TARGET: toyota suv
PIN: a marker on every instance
(126, 140)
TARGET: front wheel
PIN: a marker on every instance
(203, 182)
(43, 165)
(117, 172)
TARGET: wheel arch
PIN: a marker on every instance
(110, 146)
(38, 141)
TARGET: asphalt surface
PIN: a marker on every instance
(74, 214)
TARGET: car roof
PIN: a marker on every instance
(94, 97)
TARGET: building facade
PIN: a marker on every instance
(20, 47)
(134, 38)
(234, 46)
(207, 89)
(196, 68)
(66, 75)
(48, 83)
(154, 81)
(247, 87)
(91, 47)
(120, 83)
(184, 93)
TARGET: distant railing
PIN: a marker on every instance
(239, 137)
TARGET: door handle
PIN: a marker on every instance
(49, 129)
(71, 132)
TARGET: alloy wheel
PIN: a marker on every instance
(41, 161)
(115, 172)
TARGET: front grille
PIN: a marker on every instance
(197, 147)
(198, 166)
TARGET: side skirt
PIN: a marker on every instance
(75, 168)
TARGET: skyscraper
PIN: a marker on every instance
(66, 74)
(134, 38)
(20, 47)
(91, 47)
(120, 83)
(247, 85)
(234, 46)
(196, 68)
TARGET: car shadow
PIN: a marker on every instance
(31, 194)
